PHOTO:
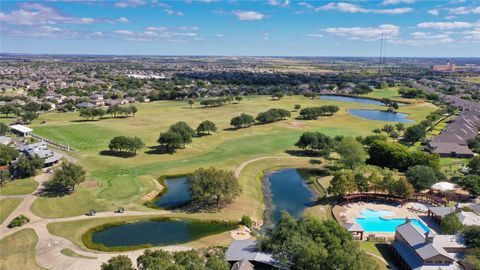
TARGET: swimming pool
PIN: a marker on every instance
(380, 221)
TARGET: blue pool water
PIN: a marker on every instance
(380, 221)
(379, 115)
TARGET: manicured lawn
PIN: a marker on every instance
(380, 249)
(123, 181)
(17, 251)
(391, 92)
(7, 206)
(19, 187)
(70, 253)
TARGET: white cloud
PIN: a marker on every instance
(353, 8)
(130, 3)
(219, 35)
(283, 3)
(446, 25)
(244, 15)
(434, 11)
(123, 20)
(365, 33)
(38, 14)
(172, 12)
(124, 32)
(314, 35)
(396, 2)
(464, 10)
(305, 4)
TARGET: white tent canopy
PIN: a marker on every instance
(443, 186)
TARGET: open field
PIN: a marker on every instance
(7, 206)
(17, 251)
(19, 187)
(123, 181)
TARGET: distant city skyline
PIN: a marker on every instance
(412, 28)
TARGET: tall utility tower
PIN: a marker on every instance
(383, 45)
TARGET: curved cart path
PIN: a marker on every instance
(49, 246)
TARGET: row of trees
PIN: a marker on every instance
(160, 259)
(417, 132)
(114, 111)
(215, 102)
(180, 134)
(272, 115)
(310, 113)
(124, 144)
(347, 181)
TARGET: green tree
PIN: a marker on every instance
(297, 107)
(308, 243)
(126, 144)
(472, 236)
(206, 127)
(120, 262)
(27, 166)
(403, 188)
(399, 127)
(474, 165)
(170, 140)
(154, 260)
(238, 99)
(191, 102)
(213, 185)
(3, 129)
(133, 110)
(184, 130)
(343, 182)
(29, 116)
(352, 153)
(242, 121)
(421, 177)
(451, 224)
(45, 107)
(7, 154)
(471, 183)
(414, 133)
(362, 182)
(66, 178)
(217, 263)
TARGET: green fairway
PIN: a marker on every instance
(17, 251)
(124, 181)
(19, 187)
(7, 206)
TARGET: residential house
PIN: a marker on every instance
(247, 250)
(416, 249)
(40, 149)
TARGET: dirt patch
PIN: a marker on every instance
(90, 184)
(150, 196)
(296, 125)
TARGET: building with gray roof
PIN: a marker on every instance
(248, 250)
(416, 249)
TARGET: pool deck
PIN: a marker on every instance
(354, 210)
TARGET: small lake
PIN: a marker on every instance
(286, 190)
(379, 115)
(177, 193)
(158, 233)
(352, 99)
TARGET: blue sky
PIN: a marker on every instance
(271, 28)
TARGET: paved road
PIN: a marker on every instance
(49, 246)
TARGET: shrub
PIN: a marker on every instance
(246, 221)
(19, 221)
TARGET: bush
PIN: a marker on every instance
(246, 221)
(19, 221)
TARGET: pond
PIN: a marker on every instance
(286, 190)
(352, 99)
(379, 115)
(177, 193)
(158, 233)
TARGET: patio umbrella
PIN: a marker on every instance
(420, 207)
(443, 186)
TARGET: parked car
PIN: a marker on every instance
(91, 213)
(120, 210)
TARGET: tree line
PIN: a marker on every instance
(310, 113)
(180, 134)
(113, 110)
(124, 144)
